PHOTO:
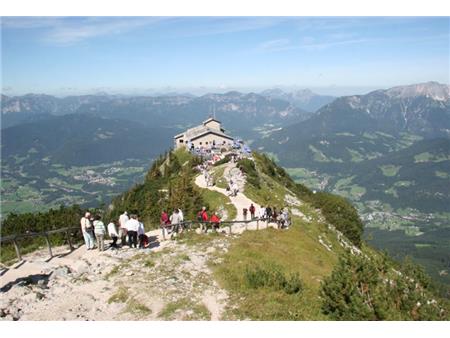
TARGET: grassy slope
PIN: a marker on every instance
(293, 251)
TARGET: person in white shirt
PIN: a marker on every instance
(87, 230)
(112, 232)
(180, 214)
(175, 220)
(143, 239)
(262, 212)
(123, 219)
(132, 227)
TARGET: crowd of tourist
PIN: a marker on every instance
(129, 229)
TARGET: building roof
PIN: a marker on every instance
(199, 131)
(211, 119)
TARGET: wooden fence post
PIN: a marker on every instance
(257, 224)
(230, 227)
(163, 228)
(49, 246)
(19, 256)
(69, 240)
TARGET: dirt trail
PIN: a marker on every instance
(240, 201)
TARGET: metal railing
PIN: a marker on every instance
(68, 231)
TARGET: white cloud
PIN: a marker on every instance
(70, 30)
(275, 44)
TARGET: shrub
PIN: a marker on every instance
(340, 213)
(360, 288)
(272, 277)
(248, 166)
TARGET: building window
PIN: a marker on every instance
(181, 141)
(200, 143)
(206, 142)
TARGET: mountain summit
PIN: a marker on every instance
(433, 90)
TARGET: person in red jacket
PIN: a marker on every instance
(252, 210)
(215, 220)
(164, 221)
(202, 216)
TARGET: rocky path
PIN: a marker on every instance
(240, 201)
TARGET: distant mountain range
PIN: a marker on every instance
(387, 151)
(304, 99)
(238, 112)
(82, 139)
(422, 109)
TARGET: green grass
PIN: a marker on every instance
(218, 178)
(356, 156)
(199, 311)
(120, 296)
(135, 307)
(295, 252)
(218, 202)
(392, 191)
(191, 238)
(390, 169)
(318, 155)
(116, 269)
(182, 155)
(442, 174)
(428, 157)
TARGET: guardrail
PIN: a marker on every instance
(229, 224)
(15, 238)
(68, 231)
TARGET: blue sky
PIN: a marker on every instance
(143, 54)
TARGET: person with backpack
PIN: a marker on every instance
(100, 231)
(252, 211)
(143, 238)
(87, 230)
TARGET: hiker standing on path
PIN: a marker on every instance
(244, 213)
(123, 219)
(175, 221)
(274, 215)
(262, 213)
(143, 238)
(215, 220)
(112, 232)
(132, 227)
(252, 211)
(202, 217)
(87, 231)
(268, 214)
(99, 229)
(164, 222)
